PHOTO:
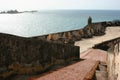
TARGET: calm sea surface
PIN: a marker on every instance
(45, 22)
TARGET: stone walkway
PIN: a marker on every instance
(95, 54)
(111, 33)
(82, 70)
(77, 71)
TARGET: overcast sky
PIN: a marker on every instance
(59, 4)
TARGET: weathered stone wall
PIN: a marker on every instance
(20, 55)
(113, 62)
(69, 37)
(90, 30)
(113, 23)
(28, 55)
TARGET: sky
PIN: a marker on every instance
(59, 4)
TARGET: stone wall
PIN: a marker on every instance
(113, 61)
(69, 37)
(20, 55)
(30, 55)
(90, 30)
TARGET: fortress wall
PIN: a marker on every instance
(69, 37)
(29, 55)
(113, 60)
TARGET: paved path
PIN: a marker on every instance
(77, 71)
(95, 54)
(80, 70)
(111, 33)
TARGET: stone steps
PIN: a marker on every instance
(101, 74)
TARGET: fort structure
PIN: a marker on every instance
(113, 57)
(34, 55)
(89, 20)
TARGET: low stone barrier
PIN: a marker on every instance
(113, 60)
(90, 30)
(29, 55)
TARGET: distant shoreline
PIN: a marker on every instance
(16, 12)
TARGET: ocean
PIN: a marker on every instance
(52, 21)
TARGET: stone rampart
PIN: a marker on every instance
(20, 55)
(113, 60)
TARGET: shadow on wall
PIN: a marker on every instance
(29, 55)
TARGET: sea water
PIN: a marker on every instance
(52, 21)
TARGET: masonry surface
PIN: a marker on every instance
(113, 59)
(26, 55)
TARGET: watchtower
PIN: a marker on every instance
(89, 20)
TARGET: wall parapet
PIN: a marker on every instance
(90, 30)
(113, 58)
(29, 55)
(69, 37)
